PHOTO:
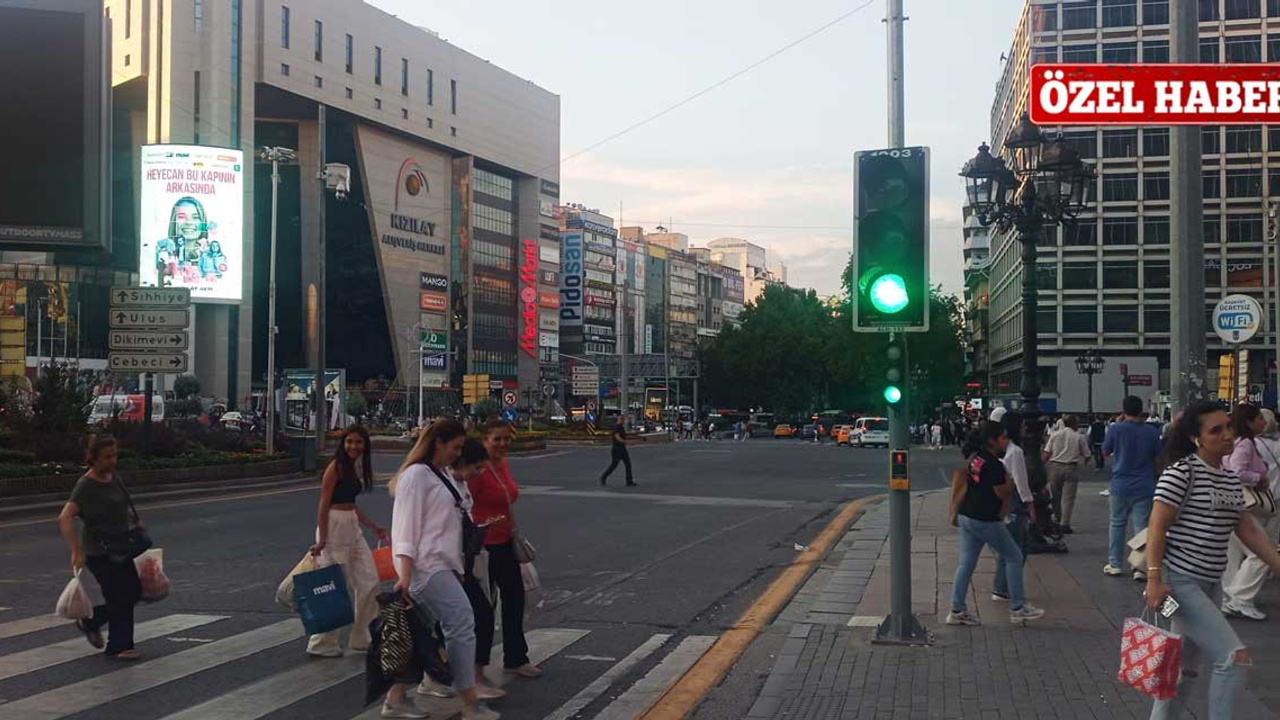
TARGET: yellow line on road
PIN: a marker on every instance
(681, 699)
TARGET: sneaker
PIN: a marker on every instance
(1229, 610)
(1066, 530)
(1248, 612)
(403, 709)
(330, 653)
(485, 691)
(431, 688)
(1139, 576)
(480, 712)
(528, 671)
(999, 597)
(964, 617)
(1024, 614)
(1105, 493)
(1112, 570)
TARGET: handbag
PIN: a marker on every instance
(520, 545)
(322, 600)
(126, 544)
(1138, 543)
(472, 534)
(385, 563)
(1260, 502)
(1150, 658)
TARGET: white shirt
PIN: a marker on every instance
(425, 524)
(1016, 462)
(1269, 449)
(1067, 446)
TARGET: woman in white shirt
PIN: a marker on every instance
(1015, 460)
(426, 538)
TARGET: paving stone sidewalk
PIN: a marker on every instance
(1062, 666)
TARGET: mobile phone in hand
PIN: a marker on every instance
(1169, 607)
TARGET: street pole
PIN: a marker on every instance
(422, 360)
(274, 155)
(1090, 376)
(1186, 227)
(148, 387)
(322, 407)
(623, 336)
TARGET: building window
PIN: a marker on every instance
(1155, 231)
(1243, 49)
(1244, 183)
(1155, 319)
(1080, 276)
(195, 102)
(1212, 229)
(1155, 186)
(1079, 15)
(1244, 140)
(492, 219)
(1085, 143)
(453, 97)
(404, 76)
(1119, 231)
(319, 41)
(1119, 143)
(377, 65)
(1080, 53)
(453, 131)
(1273, 8)
(1209, 10)
(1209, 50)
(494, 185)
(430, 123)
(284, 27)
(284, 69)
(1120, 319)
(1155, 274)
(350, 52)
(1126, 52)
(1155, 51)
(1242, 9)
(1155, 142)
(1244, 229)
(1044, 18)
(199, 15)
(319, 81)
(1210, 141)
(404, 113)
(1046, 54)
(350, 94)
(1120, 274)
(1047, 321)
(1212, 279)
(1211, 184)
(1080, 319)
(1155, 12)
(431, 86)
(1083, 233)
(1122, 187)
(1119, 13)
(377, 103)
(1047, 276)
(1244, 272)
(128, 19)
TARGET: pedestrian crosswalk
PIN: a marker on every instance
(208, 680)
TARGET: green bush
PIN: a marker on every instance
(186, 386)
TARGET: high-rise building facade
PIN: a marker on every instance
(1104, 280)
(751, 261)
(588, 283)
(682, 303)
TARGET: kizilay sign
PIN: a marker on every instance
(529, 297)
(415, 226)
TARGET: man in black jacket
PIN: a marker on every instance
(620, 455)
(1097, 434)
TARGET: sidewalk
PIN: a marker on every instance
(1062, 666)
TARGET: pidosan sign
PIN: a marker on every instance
(1237, 318)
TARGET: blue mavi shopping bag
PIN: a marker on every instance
(322, 599)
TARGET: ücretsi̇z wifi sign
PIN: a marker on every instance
(1154, 94)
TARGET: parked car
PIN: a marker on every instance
(128, 408)
(784, 431)
(871, 431)
(842, 433)
(808, 432)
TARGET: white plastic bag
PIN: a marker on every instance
(284, 593)
(74, 603)
(155, 584)
(533, 595)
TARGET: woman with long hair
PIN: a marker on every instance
(1246, 573)
(1199, 504)
(979, 499)
(340, 540)
(426, 539)
(1022, 505)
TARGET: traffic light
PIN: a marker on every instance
(891, 240)
(893, 376)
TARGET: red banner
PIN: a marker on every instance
(1154, 94)
(434, 302)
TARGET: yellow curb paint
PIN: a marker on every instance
(681, 699)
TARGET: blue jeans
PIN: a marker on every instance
(1126, 509)
(1205, 630)
(973, 535)
(445, 599)
(1017, 529)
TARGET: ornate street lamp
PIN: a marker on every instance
(1090, 363)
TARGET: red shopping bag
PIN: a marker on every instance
(383, 560)
(1150, 658)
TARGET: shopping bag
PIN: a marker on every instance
(155, 584)
(284, 593)
(384, 561)
(533, 595)
(322, 599)
(1150, 658)
(74, 603)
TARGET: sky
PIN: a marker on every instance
(767, 156)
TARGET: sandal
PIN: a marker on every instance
(125, 655)
(94, 636)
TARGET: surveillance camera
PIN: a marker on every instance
(337, 179)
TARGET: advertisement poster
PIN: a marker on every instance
(192, 220)
(298, 386)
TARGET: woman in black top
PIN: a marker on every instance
(339, 539)
(986, 487)
(99, 500)
(620, 454)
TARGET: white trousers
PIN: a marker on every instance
(1246, 573)
(347, 547)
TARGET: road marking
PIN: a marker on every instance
(598, 687)
(696, 500)
(109, 687)
(30, 625)
(681, 699)
(49, 655)
(641, 696)
(537, 457)
(276, 692)
(591, 658)
(861, 486)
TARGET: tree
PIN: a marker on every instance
(357, 406)
(54, 427)
(485, 408)
(186, 386)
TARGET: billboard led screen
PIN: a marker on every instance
(192, 220)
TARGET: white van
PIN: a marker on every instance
(870, 431)
(128, 407)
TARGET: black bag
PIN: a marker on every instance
(127, 544)
(472, 534)
(403, 645)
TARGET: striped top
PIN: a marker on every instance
(1196, 543)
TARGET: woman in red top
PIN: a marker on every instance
(493, 491)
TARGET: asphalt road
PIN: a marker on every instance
(682, 555)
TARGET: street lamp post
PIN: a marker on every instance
(274, 155)
(1090, 363)
(1047, 184)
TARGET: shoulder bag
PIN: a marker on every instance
(520, 545)
(1260, 502)
(126, 544)
(472, 534)
(1138, 544)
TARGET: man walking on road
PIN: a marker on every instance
(619, 455)
(1135, 446)
(1066, 451)
(1097, 435)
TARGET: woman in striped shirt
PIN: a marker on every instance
(1199, 503)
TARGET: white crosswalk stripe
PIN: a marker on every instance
(30, 625)
(605, 681)
(632, 703)
(276, 692)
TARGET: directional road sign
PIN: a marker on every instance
(509, 414)
(148, 319)
(147, 340)
(147, 362)
(150, 297)
(509, 398)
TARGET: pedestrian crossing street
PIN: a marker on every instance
(49, 671)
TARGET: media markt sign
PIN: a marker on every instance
(1237, 318)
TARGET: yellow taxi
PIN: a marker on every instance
(842, 433)
(784, 431)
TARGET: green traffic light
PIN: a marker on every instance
(889, 293)
(892, 394)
